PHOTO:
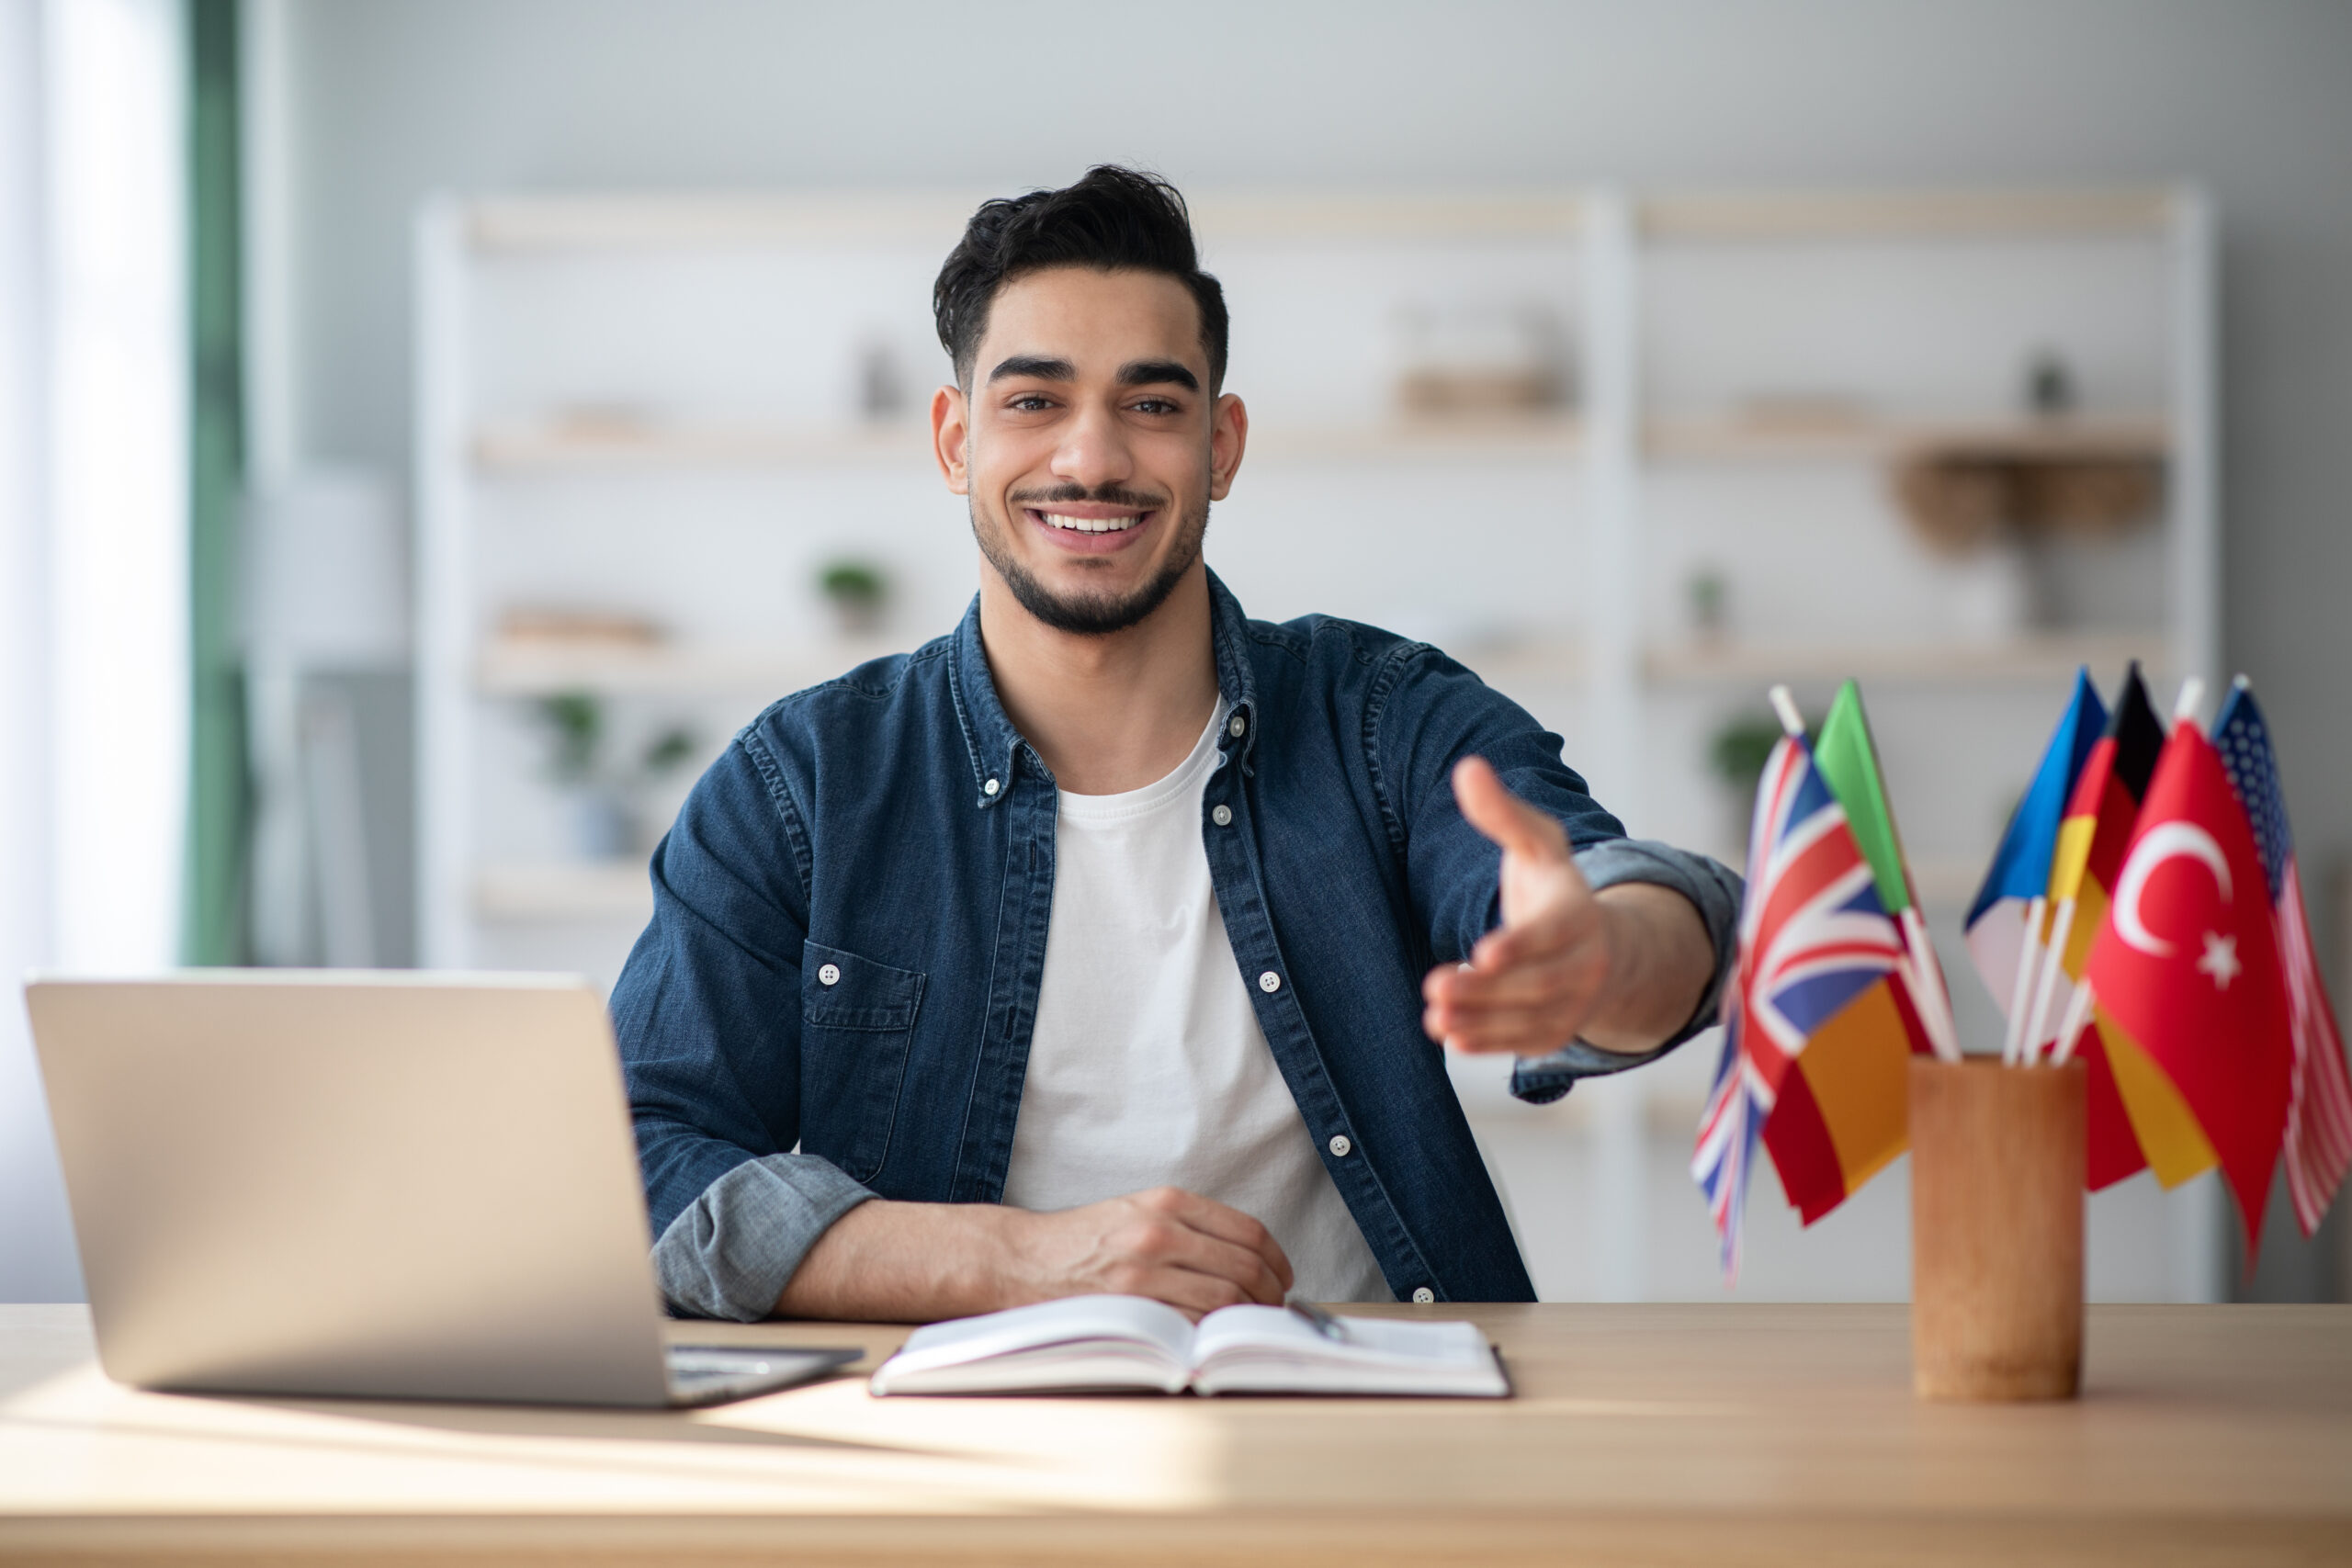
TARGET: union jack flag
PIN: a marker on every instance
(2319, 1106)
(1813, 936)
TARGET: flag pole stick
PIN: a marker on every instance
(1943, 1035)
(2062, 921)
(1784, 707)
(2192, 698)
(2078, 1015)
(2021, 993)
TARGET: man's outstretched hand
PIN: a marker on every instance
(1623, 968)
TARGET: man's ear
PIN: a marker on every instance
(1228, 434)
(949, 431)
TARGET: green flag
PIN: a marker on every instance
(1848, 761)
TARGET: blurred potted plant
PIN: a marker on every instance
(857, 589)
(599, 801)
(1736, 755)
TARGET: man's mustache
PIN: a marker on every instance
(1102, 495)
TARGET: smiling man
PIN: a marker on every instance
(1109, 942)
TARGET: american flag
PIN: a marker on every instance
(1813, 936)
(2319, 1104)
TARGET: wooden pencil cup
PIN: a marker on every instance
(1996, 1229)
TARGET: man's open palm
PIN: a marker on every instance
(1532, 983)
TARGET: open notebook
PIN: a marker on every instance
(1127, 1342)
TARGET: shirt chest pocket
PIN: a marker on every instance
(857, 1023)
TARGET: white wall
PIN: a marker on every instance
(36, 1250)
(385, 103)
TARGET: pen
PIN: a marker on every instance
(1324, 1322)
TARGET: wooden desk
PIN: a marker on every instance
(1642, 1435)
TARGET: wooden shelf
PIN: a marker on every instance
(1904, 215)
(2024, 659)
(1546, 660)
(2143, 437)
(521, 448)
(541, 223)
(561, 890)
(540, 669)
(716, 445)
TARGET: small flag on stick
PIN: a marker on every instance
(2319, 1101)
(1815, 945)
(2006, 923)
(2185, 968)
(1848, 759)
(2089, 856)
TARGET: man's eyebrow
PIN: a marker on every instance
(1038, 365)
(1152, 372)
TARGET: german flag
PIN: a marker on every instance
(2125, 1089)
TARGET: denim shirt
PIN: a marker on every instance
(834, 998)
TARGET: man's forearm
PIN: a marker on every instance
(905, 1263)
(917, 1263)
(1660, 961)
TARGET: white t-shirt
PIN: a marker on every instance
(1146, 1066)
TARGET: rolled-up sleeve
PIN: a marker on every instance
(731, 1251)
(707, 1015)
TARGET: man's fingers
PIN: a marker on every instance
(1509, 821)
(1225, 1224)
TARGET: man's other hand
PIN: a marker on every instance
(1175, 1247)
(1622, 969)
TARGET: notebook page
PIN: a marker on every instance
(1033, 1332)
(1268, 1349)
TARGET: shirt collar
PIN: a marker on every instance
(994, 746)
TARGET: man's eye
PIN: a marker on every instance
(1029, 403)
(1156, 405)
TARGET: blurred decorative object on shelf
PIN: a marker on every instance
(1803, 413)
(1996, 593)
(2049, 386)
(1708, 592)
(881, 388)
(1481, 360)
(1963, 491)
(600, 818)
(614, 423)
(543, 626)
(858, 590)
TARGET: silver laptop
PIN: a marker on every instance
(374, 1183)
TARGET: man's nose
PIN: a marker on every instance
(1093, 449)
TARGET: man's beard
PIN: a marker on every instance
(1090, 614)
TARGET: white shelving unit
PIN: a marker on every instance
(646, 405)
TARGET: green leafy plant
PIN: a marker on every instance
(854, 584)
(575, 721)
(1739, 750)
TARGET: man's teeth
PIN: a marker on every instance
(1089, 524)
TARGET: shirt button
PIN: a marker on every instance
(990, 787)
(831, 975)
(1423, 1295)
(1222, 817)
(1340, 1145)
(1237, 726)
(1270, 982)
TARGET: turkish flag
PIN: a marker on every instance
(2187, 964)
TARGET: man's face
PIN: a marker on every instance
(1090, 444)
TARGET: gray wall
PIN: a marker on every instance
(2252, 99)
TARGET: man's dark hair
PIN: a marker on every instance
(1113, 219)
